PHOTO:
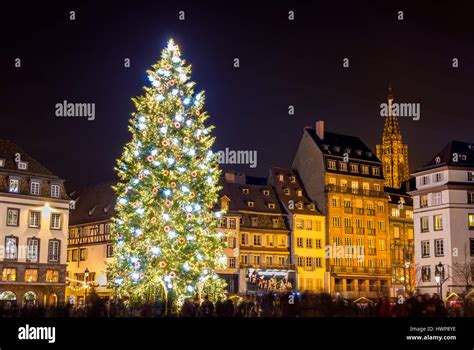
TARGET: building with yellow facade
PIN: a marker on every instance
(345, 178)
(89, 243)
(307, 224)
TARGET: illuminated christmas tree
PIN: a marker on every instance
(166, 243)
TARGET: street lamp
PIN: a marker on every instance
(86, 279)
(439, 278)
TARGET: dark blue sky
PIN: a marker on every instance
(282, 63)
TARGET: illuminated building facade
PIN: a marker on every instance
(89, 243)
(34, 214)
(307, 224)
(345, 178)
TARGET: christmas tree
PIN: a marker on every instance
(166, 243)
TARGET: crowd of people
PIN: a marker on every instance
(267, 305)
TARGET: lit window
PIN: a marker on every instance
(83, 254)
(35, 188)
(52, 276)
(14, 185)
(309, 224)
(33, 249)
(9, 274)
(376, 171)
(395, 212)
(55, 191)
(13, 216)
(293, 179)
(271, 206)
(409, 214)
(438, 222)
(11, 247)
(425, 249)
(31, 275)
(426, 273)
(34, 219)
(22, 165)
(53, 250)
(299, 224)
(245, 190)
(354, 168)
(424, 223)
(266, 192)
(424, 201)
(55, 221)
(471, 221)
(250, 204)
(342, 166)
(331, 164)
(439, 247)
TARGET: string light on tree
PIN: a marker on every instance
(165, 236)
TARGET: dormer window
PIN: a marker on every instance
(337, 148)
(376, 171)
(2, 163)
(368, 154)
(325, 147)
(342, 166)
(293, 179)
(271, 206)
(312, 206)
(14, 185)
(250, 204)
(266, 192)
(358, 152)
(365, 170)
(281, 177)
(354, 168)
(287, 191)
(347, 150)
(331, 164)
(22, 165)
(245, 190)
(299, 205)
(35, 188)
(55, 191)
(300, 193)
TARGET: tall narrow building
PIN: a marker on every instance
(392, 151)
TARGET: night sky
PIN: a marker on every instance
(282, 63)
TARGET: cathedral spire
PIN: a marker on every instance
(392, 152)
(391, 130)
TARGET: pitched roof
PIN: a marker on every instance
(261, 196)
(93, 203)
(337, 144)
(8, 151)
(293, 188)
(455, 153)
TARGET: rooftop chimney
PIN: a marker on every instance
(320, 129)
(230, 176)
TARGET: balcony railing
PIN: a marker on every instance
(95, 238)
(371, 251)
(348, 230)
(360, 230)
(361, 270)
(356, 191)
(371, 231)
(269, 266)
(348, 210)
(371, 212)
